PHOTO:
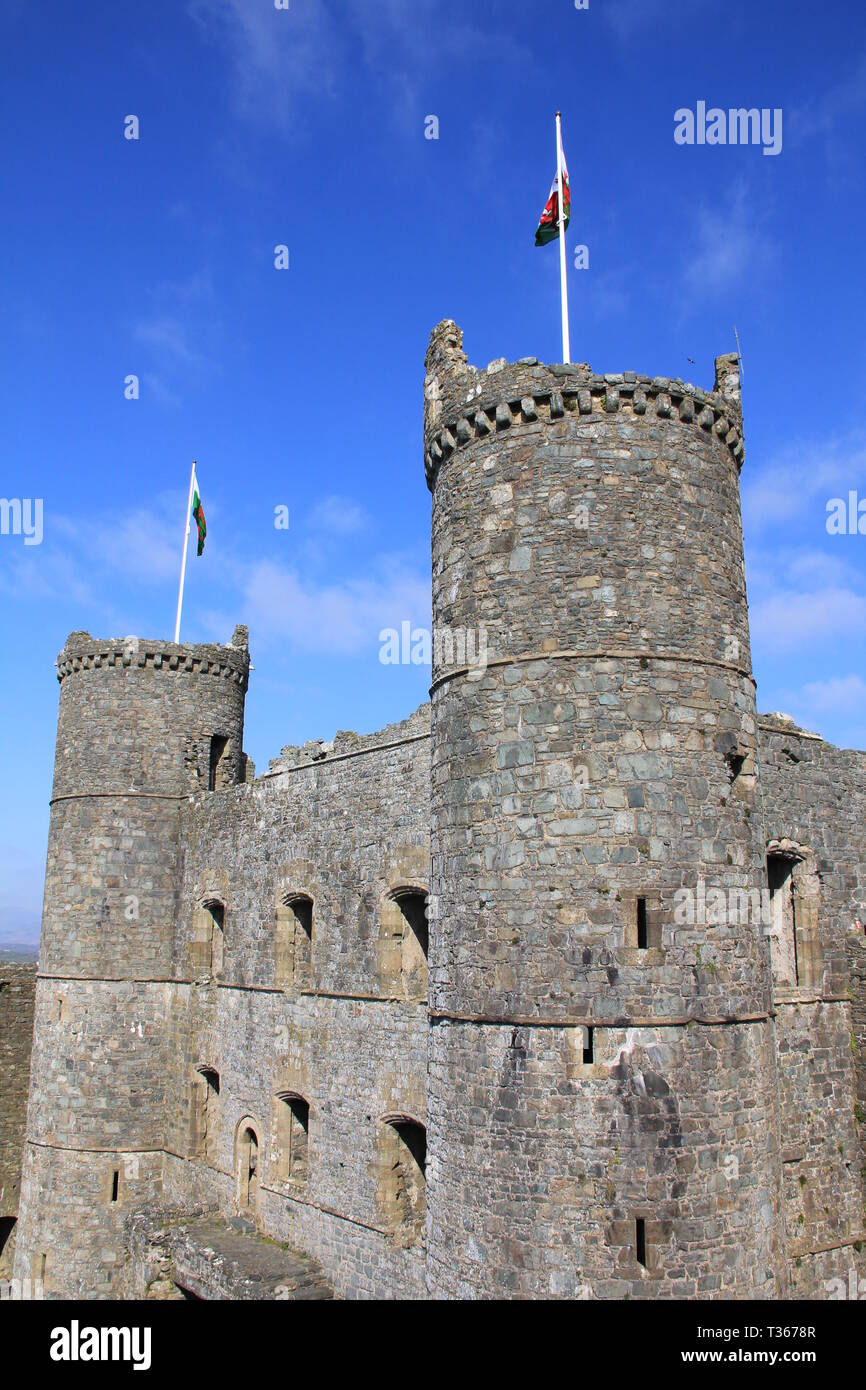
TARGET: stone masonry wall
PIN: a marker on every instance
(17, 990)
(813, 797)
(346, 824)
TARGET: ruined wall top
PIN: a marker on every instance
(463, 403)
(777, 724)
(347, 744)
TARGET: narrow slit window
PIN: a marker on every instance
(115, 1184)
(588, 1045)
(217, 935)
(642, 931)
(640, 1240)
(206, 1115)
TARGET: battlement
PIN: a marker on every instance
(347, 744)
(463, 403)
(82, 652)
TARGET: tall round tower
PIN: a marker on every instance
(602, 1117)
(142, 724)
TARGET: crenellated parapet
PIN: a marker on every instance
(82, 652)
(464, 404)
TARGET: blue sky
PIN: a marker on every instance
(303, 388)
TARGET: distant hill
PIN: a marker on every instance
(18, 951)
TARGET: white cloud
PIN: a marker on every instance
(86, 560)
(799, 480)
(819, 567)
(342, 616)
(139, 543)
(838, 695)
(33, 573)
(834, 708)
(789, 620)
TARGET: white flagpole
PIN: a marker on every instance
(185, 549)
(566, 345)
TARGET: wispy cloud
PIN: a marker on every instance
(339, 516)
(800, 479)
(631, 18)
(88, 560)
(285, 63)
(280, 59)
(112, 568)
(135, 543)
(834, 120)
(729, 243)
(838, 703)
(179, 318)
(823, 114)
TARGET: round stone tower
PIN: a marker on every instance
(142, 725)
(602, 1116)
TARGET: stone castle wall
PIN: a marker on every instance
(619, 1102)
(346, 827)
(814, 798)
(17, 990)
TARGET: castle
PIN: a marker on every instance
(629, 1059)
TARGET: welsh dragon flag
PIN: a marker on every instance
(198, 514)
(548, 227)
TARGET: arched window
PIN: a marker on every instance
(404, 1174)
(794, 929)
(293, 964)
(405, 939)
(205, 1114)
(292, 1131)
(207, 949)
(217, 752)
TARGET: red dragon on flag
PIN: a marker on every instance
(548, 226)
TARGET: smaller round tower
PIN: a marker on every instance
(142, 725)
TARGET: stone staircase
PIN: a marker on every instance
(207, 1257)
